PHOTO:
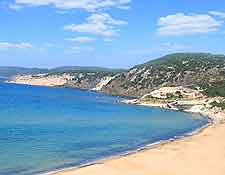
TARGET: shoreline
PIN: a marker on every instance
(175, 147)
(144, 148)
(212, 122)
(131, 152)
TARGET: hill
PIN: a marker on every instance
(84, 69)
(12, 71)
(194, 70)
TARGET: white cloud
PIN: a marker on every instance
(79, 50)
(218, 14)
(88, 5)
(48, 44)
(181, 24)
(124, 7)
(62, 12)
(82, 39)
(7, 45)
(99, 24)
(108, 40)
(15, 7)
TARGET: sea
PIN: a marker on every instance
(46, 129)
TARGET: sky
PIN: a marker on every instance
(107, 33)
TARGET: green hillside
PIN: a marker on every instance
(180, 69)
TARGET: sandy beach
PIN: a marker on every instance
(200, 154)
(40, 80)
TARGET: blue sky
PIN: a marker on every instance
(109, 33)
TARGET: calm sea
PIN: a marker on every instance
(43, 129)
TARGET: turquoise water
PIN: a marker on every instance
(43, 129)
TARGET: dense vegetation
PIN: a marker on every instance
(219, 105)
(195, 59)
(215, 89)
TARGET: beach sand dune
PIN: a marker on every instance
(201, 154)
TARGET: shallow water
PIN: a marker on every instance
(42, 129)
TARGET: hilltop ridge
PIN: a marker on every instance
(194, 70)
(8, 71)
(179, 69)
